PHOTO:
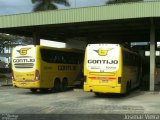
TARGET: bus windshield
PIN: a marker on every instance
(103, 57)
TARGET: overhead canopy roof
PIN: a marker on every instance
(122, 22)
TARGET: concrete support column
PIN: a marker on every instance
(36, 39)
(152, 56)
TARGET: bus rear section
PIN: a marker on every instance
(24, 68)
(102, 68)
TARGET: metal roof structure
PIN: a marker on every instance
(125, 22)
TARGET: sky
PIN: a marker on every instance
(8, 7)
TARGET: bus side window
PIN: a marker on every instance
(124, 58)
(73, 59)
(48, 56)
(55, 59)
(43, 55)
(63, 59)
(58, 59)
(69, 58)
(66, 56)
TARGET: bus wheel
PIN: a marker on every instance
(44, 90)
(127, 87)
(98, 94)
(33, 90)
(57, 85)
(64, 84)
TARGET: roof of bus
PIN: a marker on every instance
(60, 49)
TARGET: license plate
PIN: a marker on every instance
(104, 81)
(23, 84)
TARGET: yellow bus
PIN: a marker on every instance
(111, 68)
(45, 68)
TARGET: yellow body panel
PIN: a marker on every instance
(29, 85)
(51, 72)
(102, 89)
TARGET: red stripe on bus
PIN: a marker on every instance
(92, 77)
(111, 78)
(104, 78)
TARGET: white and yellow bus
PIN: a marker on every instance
(44, 68)
(111, 68)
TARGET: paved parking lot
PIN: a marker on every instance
(22, 101)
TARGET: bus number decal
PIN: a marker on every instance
(66, 68)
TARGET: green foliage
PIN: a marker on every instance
(42, 5)
(12, 40)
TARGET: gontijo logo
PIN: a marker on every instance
(103, 52)
(23, 51)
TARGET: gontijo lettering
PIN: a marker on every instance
(23, 60)
(103, 61)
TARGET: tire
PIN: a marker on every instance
(98, 94)
(57, 85)
(127, 87)
(33, 90)
(64, 84)
(44, 90)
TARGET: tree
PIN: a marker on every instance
(43, 5)
(12, 40)
(121, 1)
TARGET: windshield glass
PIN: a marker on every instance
(103, 57)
